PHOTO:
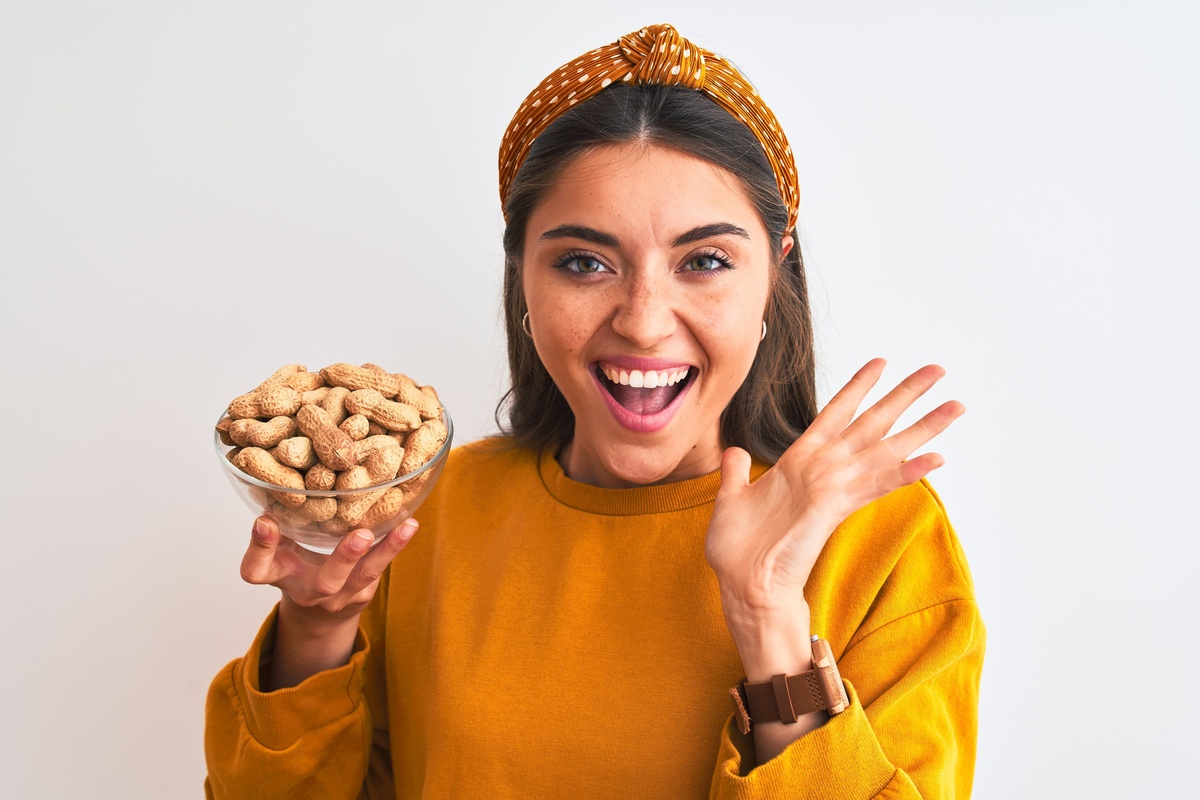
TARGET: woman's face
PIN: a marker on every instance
(646, 272)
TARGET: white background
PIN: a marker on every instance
(192, 194)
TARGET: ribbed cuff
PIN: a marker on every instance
(278, 719)
(841, 759)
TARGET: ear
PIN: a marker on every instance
(786, 245)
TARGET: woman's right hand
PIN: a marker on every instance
(323, 596)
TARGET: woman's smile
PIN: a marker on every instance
(646, 272)
(643, 394)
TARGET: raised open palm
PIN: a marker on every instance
(765, 537)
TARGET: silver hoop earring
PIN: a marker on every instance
(764, 333)
(525, 325)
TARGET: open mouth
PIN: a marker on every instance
(645, 393)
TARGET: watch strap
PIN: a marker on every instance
(786, 698)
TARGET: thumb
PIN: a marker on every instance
(735, 470)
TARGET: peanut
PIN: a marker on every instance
(421, 446)
(272, 401)
(258, 462)
(354, 378)
(310, 419)
(319, 478)
(351, 508)
(320, 509)
(336, 527)
(305, 381)
(371, 444)
(334, 404)
(251, 432)
(335, 448)
(393, 416)
(385, 508)
(383, 465)
(223, 431)
(427, 405)
(314, 397)
(356, 426)
(296, 452)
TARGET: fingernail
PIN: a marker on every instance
(361, 541)
(407, 529)
(260, 529)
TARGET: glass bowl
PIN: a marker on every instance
(390, 503)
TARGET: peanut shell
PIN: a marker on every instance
(258, 463)
(253, 433)
(354, 378)
(335, 448)
(377, 408)
(319, 478)
(385, 508)
(356, 426)
(296, 452)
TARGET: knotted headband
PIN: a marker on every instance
(657, 55)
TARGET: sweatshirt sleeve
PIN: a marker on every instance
(326, 737)
(909, 732)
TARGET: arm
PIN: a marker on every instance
(301, 715)
(765, 539)
(910, 729)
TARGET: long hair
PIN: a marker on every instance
(777, 401)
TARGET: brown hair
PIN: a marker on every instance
(777, 401)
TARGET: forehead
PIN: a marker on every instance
(644, 187)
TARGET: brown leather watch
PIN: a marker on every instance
(786, 698)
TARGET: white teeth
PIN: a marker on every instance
(648, 379)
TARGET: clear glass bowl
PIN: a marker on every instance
(400, 498)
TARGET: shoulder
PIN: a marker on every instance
(895, 556)
(496, 454)
(910, 523)
(483, 467)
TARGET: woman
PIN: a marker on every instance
(668, 519)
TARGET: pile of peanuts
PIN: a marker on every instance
(342, 428)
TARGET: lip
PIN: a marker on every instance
(643, 364)
(641, 423)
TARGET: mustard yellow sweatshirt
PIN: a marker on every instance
(542, 638)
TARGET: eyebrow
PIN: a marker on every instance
(709, 231)
(594, 236)
(581, 232)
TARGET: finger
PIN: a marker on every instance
(874, 423)
(332, 574)
(373, 564)
(917, 468)
(735, 470)
(839, 411)
(900, 446)
(259, 565)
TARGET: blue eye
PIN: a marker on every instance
(580, 264)
(706, 262)
(585, 265)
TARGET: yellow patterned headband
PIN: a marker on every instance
(658, 55)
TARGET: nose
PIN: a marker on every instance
(645, 314)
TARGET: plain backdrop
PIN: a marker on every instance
(192, 194)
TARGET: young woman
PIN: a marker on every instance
(620, 598)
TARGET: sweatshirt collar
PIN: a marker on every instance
(631, 502)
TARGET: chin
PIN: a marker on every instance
(645, 466)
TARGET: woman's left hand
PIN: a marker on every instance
(765, 537)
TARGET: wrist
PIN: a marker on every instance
(314, 622)
(772, 644)
(305, 644)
